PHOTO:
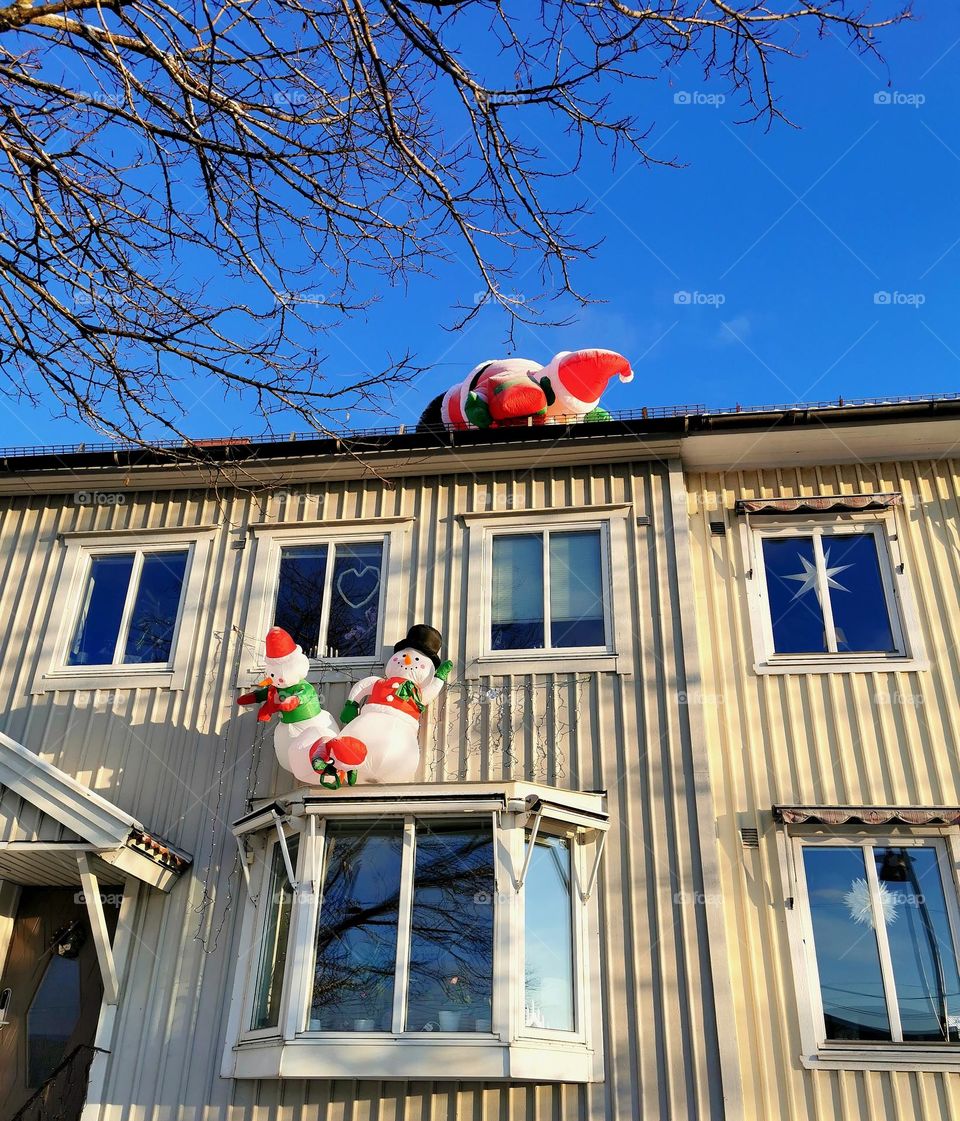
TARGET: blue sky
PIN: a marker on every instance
(777, 266)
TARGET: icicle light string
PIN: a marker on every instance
(493, 720)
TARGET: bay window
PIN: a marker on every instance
(422, 927)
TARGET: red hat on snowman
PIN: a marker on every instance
(279, 644)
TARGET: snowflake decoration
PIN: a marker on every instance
(859, 905)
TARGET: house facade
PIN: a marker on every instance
(500, 937)
(681, 839)
(825, 559)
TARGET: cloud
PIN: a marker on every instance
(732, 331)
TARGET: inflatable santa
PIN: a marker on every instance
(379, 741)
(516, 391)
(285, 691)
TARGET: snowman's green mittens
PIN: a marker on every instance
(443, 670)
(350, 711)
(476, 411)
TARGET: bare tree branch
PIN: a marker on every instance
(294, 151)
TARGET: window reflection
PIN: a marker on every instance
(921, 946)
(352, 592)
(548, 936)
(357, 928)
(451, 949)
(52, 1017)
(273, 946)
(848, 960)
(517, 604)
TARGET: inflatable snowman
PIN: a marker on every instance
(380, 740)
(303, 721)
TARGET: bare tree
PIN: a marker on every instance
(290, 151)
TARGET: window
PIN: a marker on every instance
(274, 940)
(460, 922)
(130, 607)
(52, 1017)
(878, 939)
(330, 585)
(825, 595)
(126, 611)
(328, 598)
(548, 590)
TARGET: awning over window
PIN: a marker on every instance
(819, 504)
(48, 820)
(867, 815)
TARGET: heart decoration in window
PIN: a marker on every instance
(357, 586)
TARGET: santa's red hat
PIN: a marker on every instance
(584, 373)
(279, 643)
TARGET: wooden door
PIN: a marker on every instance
(55, 996)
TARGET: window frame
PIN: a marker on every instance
(510, 1050)
(269, 541)
(611, 521)
(904, 627)
(816, 1050)
(79, 551)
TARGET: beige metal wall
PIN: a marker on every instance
(819, 738)
(182, 763)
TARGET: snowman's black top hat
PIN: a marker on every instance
(424, 639)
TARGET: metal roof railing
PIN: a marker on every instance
(641, 414)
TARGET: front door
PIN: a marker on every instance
(54, 1003)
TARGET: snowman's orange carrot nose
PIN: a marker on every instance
(407, 659)
(266, 681)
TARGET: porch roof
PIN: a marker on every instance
(47, 818)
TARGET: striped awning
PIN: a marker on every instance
(819, 504)
(867, 815)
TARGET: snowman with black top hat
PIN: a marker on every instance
(381, 718)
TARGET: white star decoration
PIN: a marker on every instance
(808, 578)
(858, 903)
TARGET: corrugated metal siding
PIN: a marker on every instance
(809, 738)
(184, 762)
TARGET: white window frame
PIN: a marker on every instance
(904, 626)
(269, 541)
(816, 1050)
(79, 550)
(611, 522)
(510, 1050)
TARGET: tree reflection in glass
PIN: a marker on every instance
(357, 928)
(451, 947)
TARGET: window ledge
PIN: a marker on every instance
(832, 663)
(107, 677)
(473, 1058)
(543, 661)
(881, 1057)
(328, 672)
